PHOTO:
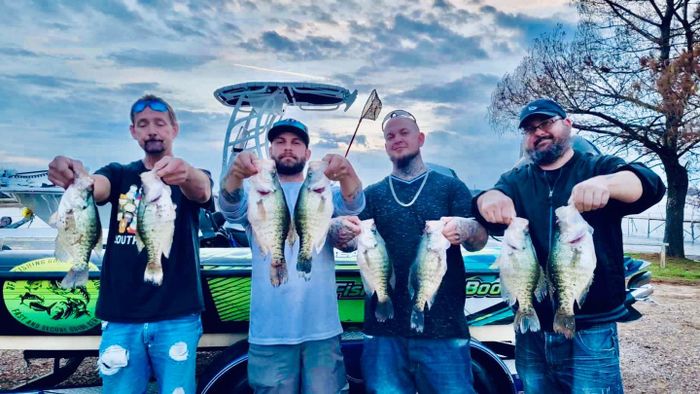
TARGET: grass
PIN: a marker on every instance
(677, 270)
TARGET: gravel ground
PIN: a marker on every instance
(660, 353)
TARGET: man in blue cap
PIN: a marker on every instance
(294, 328)
(604, 189)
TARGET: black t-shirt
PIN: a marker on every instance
(124, 296)
(537, 193)
(402, 229)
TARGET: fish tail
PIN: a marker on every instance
(417, 320)
(526, 319)
(74, 278)
(278, 272)
(564, 324)
(304, 267)
(384, 310)
(153, 273)
(48, 309)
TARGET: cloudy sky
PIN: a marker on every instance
(69, 72)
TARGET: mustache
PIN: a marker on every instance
(540, 139)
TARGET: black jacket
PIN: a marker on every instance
(537, 194)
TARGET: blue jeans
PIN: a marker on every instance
(309, 367)
(587, 363)
(405, 365)
(130, 352)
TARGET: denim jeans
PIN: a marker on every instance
(587, 363)
(398, 365)
(130, 352)
(309, 367)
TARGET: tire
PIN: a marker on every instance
(228, 373)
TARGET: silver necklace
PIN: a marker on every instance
(420, 189)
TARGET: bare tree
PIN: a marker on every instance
(631, 74)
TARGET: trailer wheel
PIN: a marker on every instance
(228, 373)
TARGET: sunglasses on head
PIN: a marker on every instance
(398, 113)
(153, 104)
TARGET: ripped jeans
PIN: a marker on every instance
(130, 352)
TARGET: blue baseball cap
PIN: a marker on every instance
(289, 125)
(541, 107)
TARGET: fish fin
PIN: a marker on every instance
(412, 281)
(369, 289)
(262, 213)
(541, 289)
(139, 242)
(564, 324)
(584, 292)
(61, 252)
(292, 234)
(431, 300)
(166, 240)
(74, 278)
(506, 294)
(384, 310)
(304, 268)
(526, 320)
(320, 243)
(417, 320)
(392, 278)
(53, 220)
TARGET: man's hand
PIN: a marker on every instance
(173, 170)
(63, 171)
(339, 167)
(244, 166)
(590, 194)
(343, 231)
(464, 231)
(496, 207)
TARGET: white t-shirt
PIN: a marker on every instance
(296, 311)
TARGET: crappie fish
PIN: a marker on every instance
(572, 263)
(155, 224)
(427, 271)
(79, 230)
(312, 215)
(269, 217)
(521, 275)
(375, 269)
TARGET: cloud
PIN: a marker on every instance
(159, 59)
(529, 27)
(475, 87)
(328, 140)
(17, 52)
(308, 48)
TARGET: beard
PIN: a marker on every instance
(551, 153)
(153, 147)
(405, 161)
(290, 169)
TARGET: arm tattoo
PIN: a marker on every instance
(334, 234)
(472, 233)
(233, 197)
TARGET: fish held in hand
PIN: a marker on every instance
(521, 276)
(79, 230)
(155, 224)
(572, 263)
(269, 218)
(312, 215)
(375, 269)
(427, 271)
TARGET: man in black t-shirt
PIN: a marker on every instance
(397, 358)
(147, 328)
(604, 189)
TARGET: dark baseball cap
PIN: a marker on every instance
(289, 125)
(541, 107)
